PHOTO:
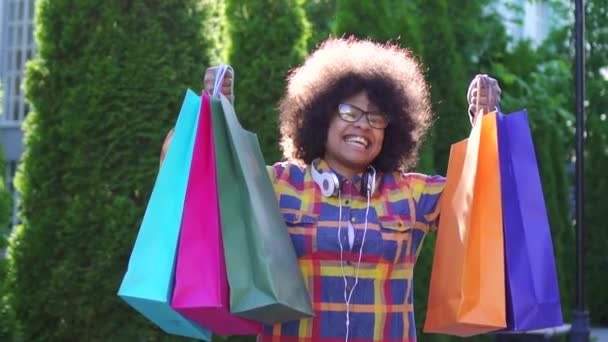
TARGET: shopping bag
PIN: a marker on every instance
(148, 283)
(467, 289)
(266, 283)
(533, 300)
(201, 284)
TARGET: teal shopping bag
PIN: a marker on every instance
(148, 283)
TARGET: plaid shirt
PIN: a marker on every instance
(402, 210)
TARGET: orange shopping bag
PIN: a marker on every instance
(467, 289)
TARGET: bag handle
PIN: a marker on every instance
(219, 80)
(484, 79)
(492, 94)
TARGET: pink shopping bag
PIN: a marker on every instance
(201, 284)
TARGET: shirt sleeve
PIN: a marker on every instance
(275, 171)
(427, 191)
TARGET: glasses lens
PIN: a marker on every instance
(377, 120)
(349, 113)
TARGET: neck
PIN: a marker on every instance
(344, 170)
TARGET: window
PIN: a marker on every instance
(16, 47)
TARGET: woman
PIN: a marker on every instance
(351, 121)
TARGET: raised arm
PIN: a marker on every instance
(208, 84)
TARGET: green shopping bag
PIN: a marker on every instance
(266, 284)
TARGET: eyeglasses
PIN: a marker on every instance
(352, 113)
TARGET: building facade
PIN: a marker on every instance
(525, 19)
(16, 48)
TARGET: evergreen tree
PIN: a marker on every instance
(444, 61)
(106, 86)
(321, 15)
(382, 21)
(446, 74)
(596, 160)
(5, 210)
(533, 88)
(425, 28)
(479, 34)
(6, 315)
(267, 39)
(553, 122)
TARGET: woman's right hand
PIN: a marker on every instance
(209, 82)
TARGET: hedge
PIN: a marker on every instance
(105, 87)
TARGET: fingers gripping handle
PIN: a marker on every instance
(219, 80)
(474, 92)
(491, 94)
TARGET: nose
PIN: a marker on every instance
(362, 123)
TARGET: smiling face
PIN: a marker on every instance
(352, 146)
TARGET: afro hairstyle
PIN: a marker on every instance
(340, 68)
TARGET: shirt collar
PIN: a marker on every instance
(322, 166)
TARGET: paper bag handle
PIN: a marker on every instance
(219, 80)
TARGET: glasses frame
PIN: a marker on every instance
(362, 113)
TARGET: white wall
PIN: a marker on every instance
(534, 22)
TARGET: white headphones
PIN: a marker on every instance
(330, 185)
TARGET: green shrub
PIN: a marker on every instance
(321, 15)
(596, 161)
(267, 39)
(6, 201)
(106, 86)
(5, 207)
(549, 118)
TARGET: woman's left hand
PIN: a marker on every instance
(483, 96)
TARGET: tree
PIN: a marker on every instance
(551, 123)
(555, 148)
(6, 315)
(596, 159)
(444, 62)
(380, 20)
(447, 79)
(105, 88)
(268, 38)
(321, 15)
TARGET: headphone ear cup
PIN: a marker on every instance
(364, 184)
(371, 182)
(367, 183)
(329, 184)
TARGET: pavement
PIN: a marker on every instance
(599, 334)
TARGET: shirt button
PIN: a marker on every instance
(349, 263)
(352, 219)
(347, 202)
(348, 288)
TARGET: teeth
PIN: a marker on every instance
(357, 140)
